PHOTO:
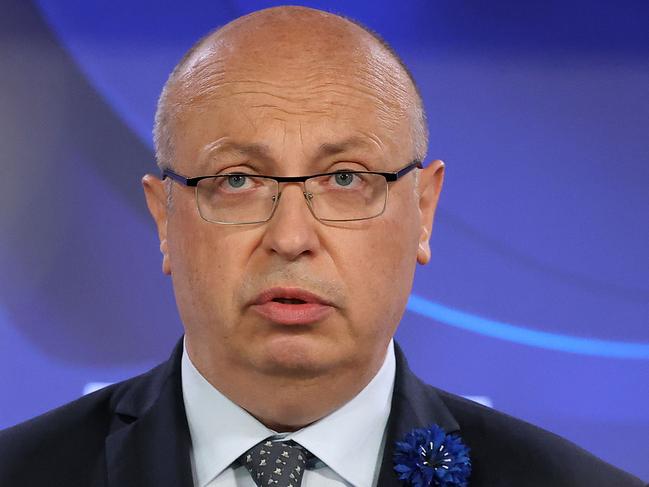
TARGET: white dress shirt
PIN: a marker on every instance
(348, 442)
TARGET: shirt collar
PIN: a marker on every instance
(349, 440)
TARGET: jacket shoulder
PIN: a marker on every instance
(529, 452)
(70, 437)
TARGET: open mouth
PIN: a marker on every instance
(289, 301)
(291, 306)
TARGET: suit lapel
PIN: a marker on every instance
(150, 442)
(414, 405)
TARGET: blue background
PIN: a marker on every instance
(537, 296)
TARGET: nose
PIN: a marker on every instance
(291, 232)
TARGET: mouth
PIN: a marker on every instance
(291, 306)
(288, 300)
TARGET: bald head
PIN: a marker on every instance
(304, 52)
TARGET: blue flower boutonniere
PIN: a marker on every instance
(428, 457)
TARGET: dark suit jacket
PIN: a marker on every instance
(135, 434)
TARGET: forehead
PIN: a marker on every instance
(316, 90)
(307, 111)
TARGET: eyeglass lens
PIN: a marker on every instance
(240, 198)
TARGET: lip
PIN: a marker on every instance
(314, 308)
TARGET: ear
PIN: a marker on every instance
(430, 186)
(156, 200)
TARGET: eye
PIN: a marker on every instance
(236, 183)
(237, 180)
(344, 178)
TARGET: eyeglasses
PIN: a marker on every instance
(241, 199)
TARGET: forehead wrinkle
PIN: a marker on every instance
(304, 100)
(373, 70)
(266, 106)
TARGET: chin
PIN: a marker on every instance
(298, 355)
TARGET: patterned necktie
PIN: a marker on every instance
(276, 463)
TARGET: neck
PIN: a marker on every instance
(304, 398)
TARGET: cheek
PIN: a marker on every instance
(206, 269)
(377, 265)
(395, 259)
(396, 240)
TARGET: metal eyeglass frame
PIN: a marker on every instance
(193, 182)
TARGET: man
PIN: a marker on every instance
(292, 211)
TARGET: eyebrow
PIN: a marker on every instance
(332, 149)
(262, 152)
(326, 149)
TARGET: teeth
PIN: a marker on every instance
(289, 301)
